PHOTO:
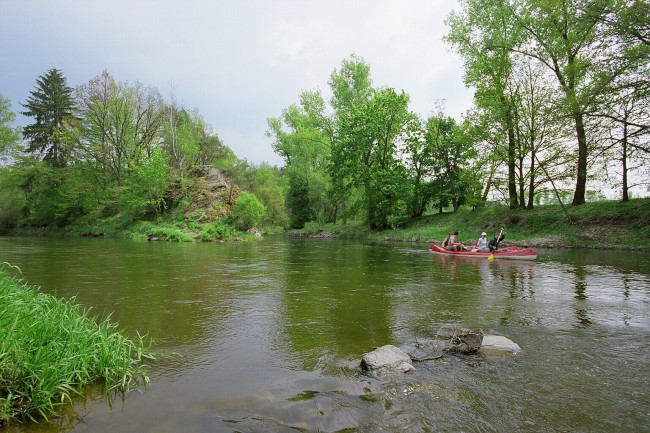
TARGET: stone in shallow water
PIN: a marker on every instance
(387, 359)
(498, 342)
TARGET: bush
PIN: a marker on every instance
(248, 211)
(221, 229)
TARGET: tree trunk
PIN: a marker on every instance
(531, 184)
(581, 179)
(624, 144)
(512, 184)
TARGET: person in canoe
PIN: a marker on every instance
(494, 242)
(482, 244)
(445, 241)
(454, 244)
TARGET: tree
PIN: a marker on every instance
(484, 34)
(120, 124)
(52, 106)
(366, 154)
(568, 38)
(302, 139)
(9, 136)
(351, 86)
(452, 153)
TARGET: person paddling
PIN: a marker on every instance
(498, 237)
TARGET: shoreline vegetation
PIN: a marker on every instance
(596, 225)
(45, 363)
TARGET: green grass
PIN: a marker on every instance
(603, 224)
(51, 348)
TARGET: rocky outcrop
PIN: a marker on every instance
(212, 195)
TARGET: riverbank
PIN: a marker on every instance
(597, 225)
(51, 348)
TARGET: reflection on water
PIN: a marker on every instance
(267, 336)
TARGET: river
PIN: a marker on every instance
(267, 336)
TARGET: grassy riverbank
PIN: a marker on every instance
(604, 224)
(51, 348)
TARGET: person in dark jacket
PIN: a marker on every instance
(494, 242)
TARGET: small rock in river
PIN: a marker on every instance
(497, 342)
(386, 359)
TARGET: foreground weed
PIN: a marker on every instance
(50, 349)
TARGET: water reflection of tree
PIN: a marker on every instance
(518, 279)
(580, 289)
(335, 300)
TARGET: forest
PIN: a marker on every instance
(561, 103)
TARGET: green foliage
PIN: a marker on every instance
(51, 348)
(219, 230)
(12, 199)
(9, 136)
(366, 155)
(161, 232)
(268, 186)
(302, 137)
(52, 107)
(145, 187)
(248, 210)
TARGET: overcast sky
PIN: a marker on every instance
(236, 62)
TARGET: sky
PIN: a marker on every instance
(236, 62)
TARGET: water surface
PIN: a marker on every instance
(267, 336)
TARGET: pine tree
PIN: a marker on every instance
(52, 106)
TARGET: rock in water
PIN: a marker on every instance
(497, 342)
(386, 359)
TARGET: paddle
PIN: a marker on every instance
(499, 238)
(491, 256)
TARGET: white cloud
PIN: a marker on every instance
(239, 62)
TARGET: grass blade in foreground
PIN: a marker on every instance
(51, 348)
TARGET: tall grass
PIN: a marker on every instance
(51, 348)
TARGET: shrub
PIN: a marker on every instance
(248, 210)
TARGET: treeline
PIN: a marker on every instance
(107, 149)
(561, 98)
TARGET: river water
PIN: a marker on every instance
(267, 336)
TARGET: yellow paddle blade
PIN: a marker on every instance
(491, 257)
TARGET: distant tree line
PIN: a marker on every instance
(107, 149)
(561, 98)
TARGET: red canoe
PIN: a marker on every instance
(513, 253)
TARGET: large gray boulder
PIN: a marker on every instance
(386, 360)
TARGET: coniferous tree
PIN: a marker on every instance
(52, 106)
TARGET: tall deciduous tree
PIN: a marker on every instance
(366, 154)
(52, 106)
(121, 123)
(452, 154)
(302, 139)
(9, 136)
(484, 34)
